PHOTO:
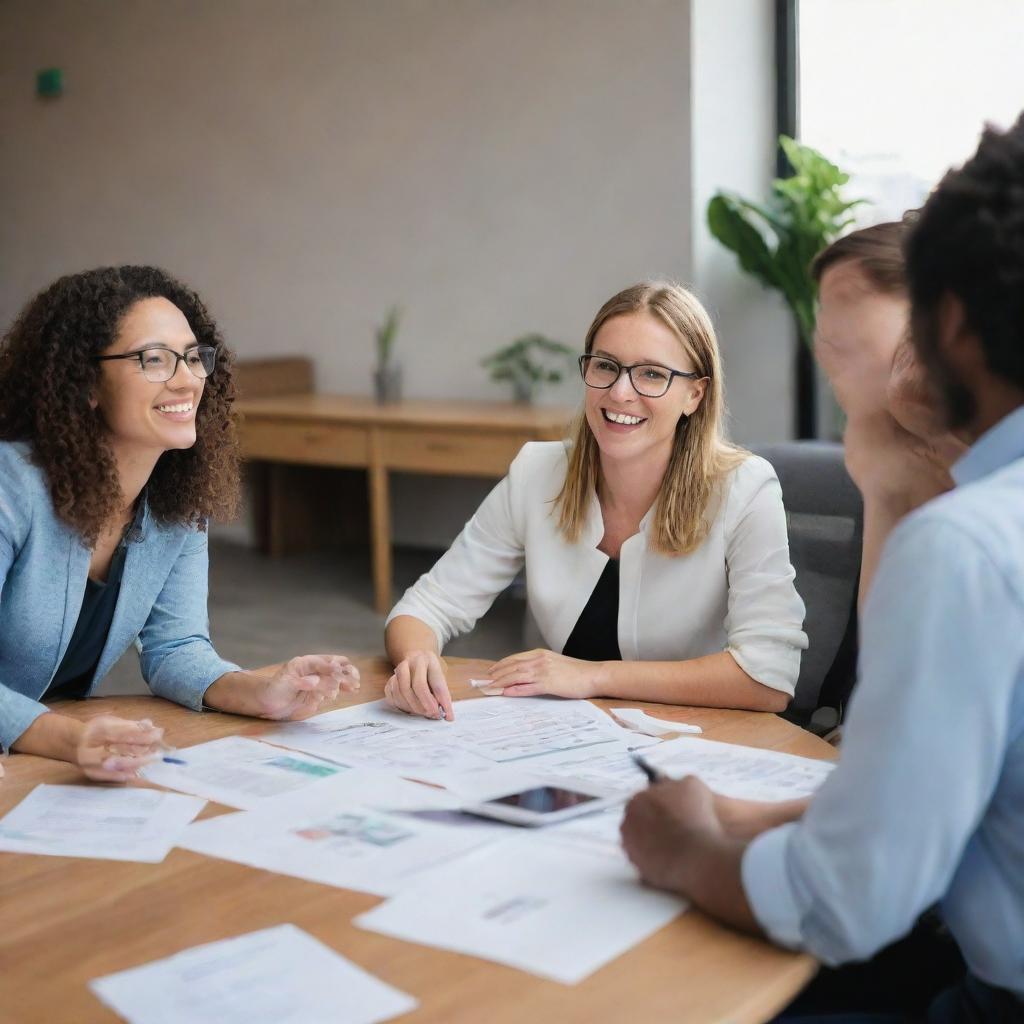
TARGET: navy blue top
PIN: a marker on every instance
(90, 636)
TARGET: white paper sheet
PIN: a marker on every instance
(515, 729)
(332, 833)
(734, 770)
(122, 823)
(376, 736)
(610, 766)
(278, 975)
(239, 772)
(491, 731)
(557, 909)
(650, 725)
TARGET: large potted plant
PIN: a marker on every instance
(776, 241)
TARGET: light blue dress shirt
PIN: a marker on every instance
(927, 803)
(43, 569)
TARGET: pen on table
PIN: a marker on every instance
(653, 774)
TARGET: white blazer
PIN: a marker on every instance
(734, 593)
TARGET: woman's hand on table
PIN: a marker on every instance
(540, 671)
(418, 686)
(301, 686)
(112, 749)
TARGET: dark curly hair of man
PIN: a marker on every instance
(48, 375)
(968, 242)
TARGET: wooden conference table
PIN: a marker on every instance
(450, 438)
(64, 921)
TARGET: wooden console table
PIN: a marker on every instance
(438, 437)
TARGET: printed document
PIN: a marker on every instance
(333, 833)
(238, 772)
(556, 909)
(376, 736)
(279, 975)
(487, 731)
(126, 823)
(734, 770)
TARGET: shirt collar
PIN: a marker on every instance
(997, 447)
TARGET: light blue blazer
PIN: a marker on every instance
(43, 569)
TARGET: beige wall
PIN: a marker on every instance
(494, 166)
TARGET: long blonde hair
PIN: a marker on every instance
(700, 455)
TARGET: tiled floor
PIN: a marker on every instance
(264, 611)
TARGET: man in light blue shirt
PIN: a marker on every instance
(927, 803)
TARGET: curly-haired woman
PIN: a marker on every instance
(656, 553)
(116, 448)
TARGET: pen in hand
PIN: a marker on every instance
(653, 774)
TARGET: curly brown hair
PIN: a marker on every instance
(48, 376)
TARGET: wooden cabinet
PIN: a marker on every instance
(443, 438)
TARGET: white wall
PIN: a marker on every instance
(494, 166)
(732, 92)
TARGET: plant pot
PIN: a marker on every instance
(522, 390)
(387, 384)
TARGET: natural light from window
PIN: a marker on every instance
(897, 91)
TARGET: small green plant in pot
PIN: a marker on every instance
(530, 362)
(387, 378)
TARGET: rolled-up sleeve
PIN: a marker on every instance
(17, 712)
(764, 622)
(921, 757)
(178, 660)
(480, 564)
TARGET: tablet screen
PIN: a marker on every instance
(544, 799)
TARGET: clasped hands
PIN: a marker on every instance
(418, 685)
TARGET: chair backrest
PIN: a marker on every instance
(825, 517)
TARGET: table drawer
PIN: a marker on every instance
(456, 452)
(311, 442)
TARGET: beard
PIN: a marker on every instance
(957, 406)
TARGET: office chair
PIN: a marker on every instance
(825, 516)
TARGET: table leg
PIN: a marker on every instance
(380, 526)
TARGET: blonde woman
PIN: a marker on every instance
(657, 561)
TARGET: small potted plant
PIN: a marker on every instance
(530, 362)
(387, 378)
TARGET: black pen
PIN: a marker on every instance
(653, 774)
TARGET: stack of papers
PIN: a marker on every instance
(86, 821)
(332, 800)
(276, 976)
(486, 732)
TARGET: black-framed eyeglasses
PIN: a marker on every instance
(649, 380)
(160, 363)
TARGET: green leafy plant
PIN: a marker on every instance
(385, 336)
(777, 241)
(530, 362)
